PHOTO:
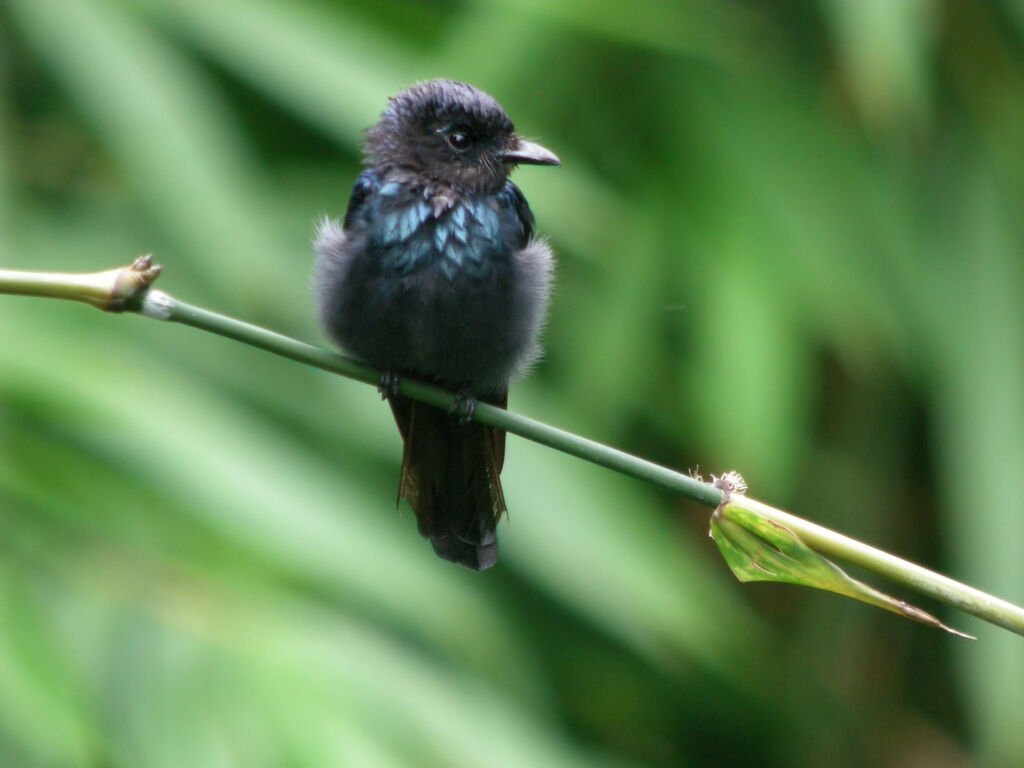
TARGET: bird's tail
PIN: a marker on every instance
(450, 475)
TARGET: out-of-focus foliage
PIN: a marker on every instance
(790, 240)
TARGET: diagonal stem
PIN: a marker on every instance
(128, 289)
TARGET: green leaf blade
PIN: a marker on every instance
(758, 549)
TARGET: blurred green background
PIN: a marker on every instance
(789, 240)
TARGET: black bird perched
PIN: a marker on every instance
(436, 275)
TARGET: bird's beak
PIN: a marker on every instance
(526, 152)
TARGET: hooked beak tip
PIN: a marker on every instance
(524, 152)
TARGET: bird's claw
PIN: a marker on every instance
(463, 405)
(389, 385)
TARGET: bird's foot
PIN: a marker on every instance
(389, 384)
(464, 405)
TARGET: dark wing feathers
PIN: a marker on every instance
(513, 197)
(366, 185)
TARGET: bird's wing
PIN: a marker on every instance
(513, 197)
(367, 184)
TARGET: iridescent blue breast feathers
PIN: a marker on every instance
(411, 227)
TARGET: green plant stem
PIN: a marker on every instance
(108, 290)
(161, 306)
(91, 288)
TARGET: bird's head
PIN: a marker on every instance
(452, 133)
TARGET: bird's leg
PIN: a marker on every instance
(389, 384)
(463, 405)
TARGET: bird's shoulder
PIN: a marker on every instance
(514, 198)
(385, 192)
(367, 185)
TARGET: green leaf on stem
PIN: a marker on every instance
(758, 549)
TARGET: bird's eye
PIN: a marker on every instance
(459, 141)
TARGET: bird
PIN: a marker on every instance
(435, 273)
